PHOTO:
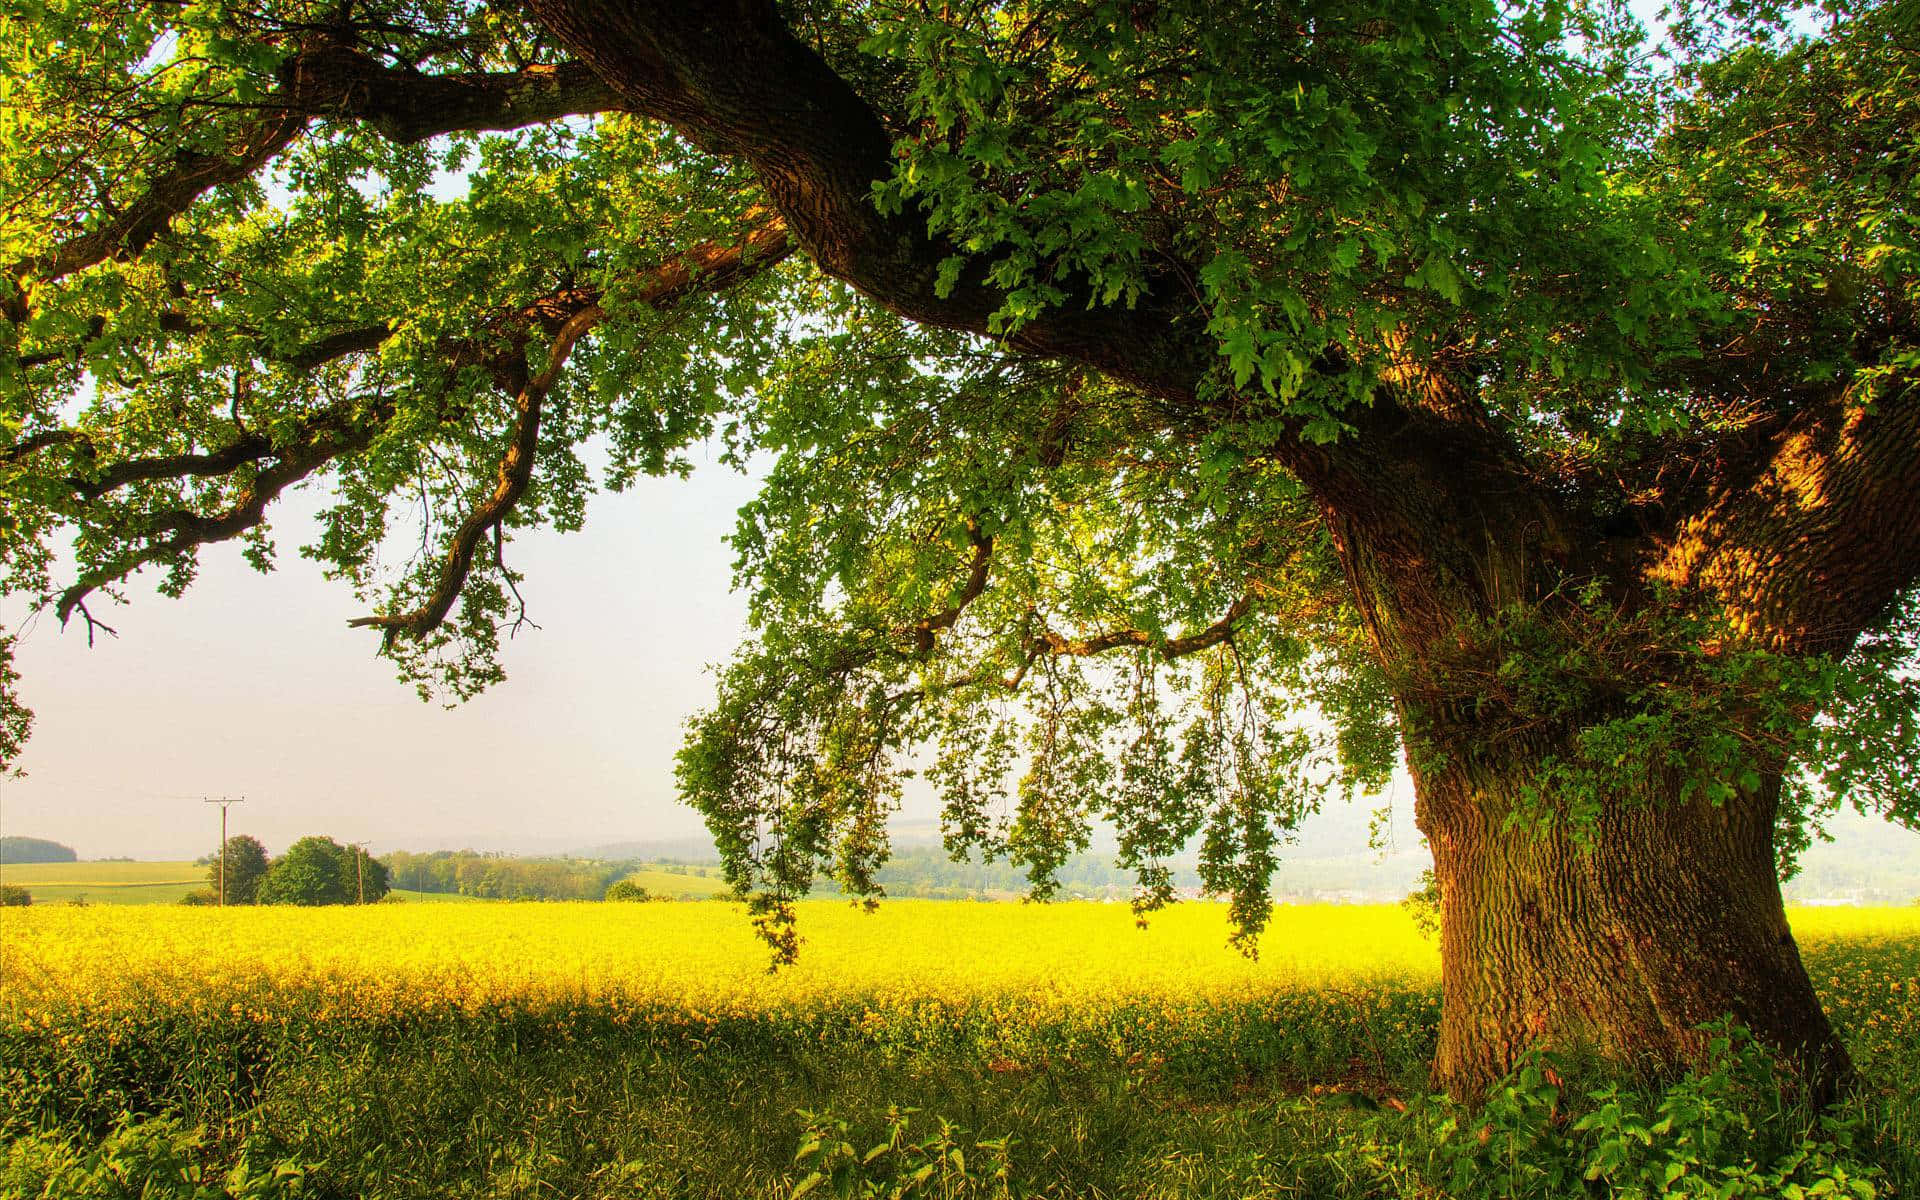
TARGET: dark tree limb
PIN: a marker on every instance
(324, 81)
(1812, 551)
(179, 530)
(570, 314)
(926, 629)
(513, 474)
(1051, 643)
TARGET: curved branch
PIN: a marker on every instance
(324, 81)
(1806, 556)
(182, 529)
(926, 629)
(1052, 643)
(514, 473)
(733, 78)
(245, 449)
(409, 106)
(708, 267)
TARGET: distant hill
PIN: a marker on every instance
(685, 850)
(34, 850)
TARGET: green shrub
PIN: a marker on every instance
(627, 890)
(142, 1160)
(1725, 1132)
(12, 896)
(899, 1167)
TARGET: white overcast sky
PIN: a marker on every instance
(253, 684)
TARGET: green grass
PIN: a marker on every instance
(675, 886)
(412, 897)
(106, 882)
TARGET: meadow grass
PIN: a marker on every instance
(408, 896)
(644, 1050)
(106, 882)
(674, 885)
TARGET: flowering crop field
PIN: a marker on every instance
(396, 1049)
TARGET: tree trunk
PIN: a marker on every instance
(1669, 916)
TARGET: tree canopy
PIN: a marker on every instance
(318, 870)
(237, 869)
(15, 849)
(1171, 413)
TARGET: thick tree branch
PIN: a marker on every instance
(323, 81)
(707, 267)
(926, 629)
(733, 78)
(191, 174)
(569, 315)
(180, 530)
(1808, 555)
(514, 473)
(245, 449)
(1052, 643)
(411, 106)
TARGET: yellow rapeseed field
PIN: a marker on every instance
(697, 955)
(703, 958)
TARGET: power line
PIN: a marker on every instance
(360, 870)
(223, 802)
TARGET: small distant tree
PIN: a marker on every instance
(627, 889)
(246, 866)
(309, 873)
(201, 898)
(12, 896)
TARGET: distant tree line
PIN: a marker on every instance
(34, 850)
(503, 877)
(313, 871)
(928, 873)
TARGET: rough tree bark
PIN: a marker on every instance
(1624, 948)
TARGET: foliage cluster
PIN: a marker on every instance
(1721, 1132)
(238, 869)
(156, 1158)
(318, 871)
(934, 1166)
(13, 896)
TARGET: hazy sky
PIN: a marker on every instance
(254, 684)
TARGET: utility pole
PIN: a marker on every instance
(223, 801)
(360, 870)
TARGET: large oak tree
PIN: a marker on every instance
(1171, 413)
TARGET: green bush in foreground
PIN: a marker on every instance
(158, 1159)
(12, 896)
